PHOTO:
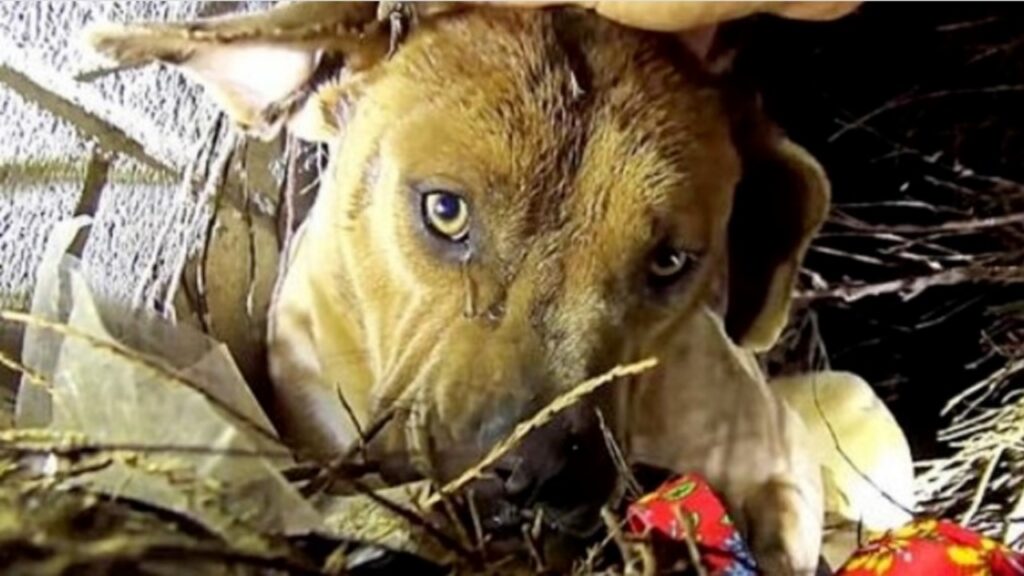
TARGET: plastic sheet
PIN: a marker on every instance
(194, 447)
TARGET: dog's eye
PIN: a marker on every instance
(667, 265)
(446, 214)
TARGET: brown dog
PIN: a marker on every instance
(515, 201)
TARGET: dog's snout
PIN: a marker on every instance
(563, 468)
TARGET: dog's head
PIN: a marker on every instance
(516, 200)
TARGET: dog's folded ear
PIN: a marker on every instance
(779, 205)
(265, 70)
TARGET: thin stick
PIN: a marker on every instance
(478, 529)
(631, 553)
(908, 288)
(999, 376)
(415, 519)
(453, 518)
(323, 478)
(350, 413)
(956, 226)
(910, 98)
(531, 547)
(30, 375)
(691, 542)
(1012, 533)
(87, 449)
(615, 451)
(982, 487)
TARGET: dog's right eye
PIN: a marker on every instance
(446, 214)
(667, 265)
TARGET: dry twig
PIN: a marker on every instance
(908, 288)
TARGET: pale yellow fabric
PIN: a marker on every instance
(867, 470)
(680, 16)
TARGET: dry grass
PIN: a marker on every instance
(56, 466)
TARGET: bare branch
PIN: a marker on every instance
(908, 99)
(908, 288)
(957, 226)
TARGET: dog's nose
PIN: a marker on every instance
(516, 477)
(564, 469)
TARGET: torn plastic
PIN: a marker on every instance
(144, 398)
(120, 400)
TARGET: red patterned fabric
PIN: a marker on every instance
(933, 548)
(689, 497)
(921, 548)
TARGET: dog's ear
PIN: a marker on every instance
(265, 70)
(779, 205)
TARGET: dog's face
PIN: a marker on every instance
(516, 201)
(519, 200)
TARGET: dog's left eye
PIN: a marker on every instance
(446, 214)
(667, 265)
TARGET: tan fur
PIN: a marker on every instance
(708, 409)
(579, 145)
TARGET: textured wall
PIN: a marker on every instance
(52, 122)
(119, 146)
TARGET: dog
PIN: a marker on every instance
(516, 201)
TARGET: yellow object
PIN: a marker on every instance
(867, 468)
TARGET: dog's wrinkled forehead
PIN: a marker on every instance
(548, 116)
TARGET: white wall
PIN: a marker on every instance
(139, 129)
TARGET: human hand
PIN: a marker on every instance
(680, 16)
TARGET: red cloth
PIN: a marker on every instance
(933, 548)
(921, 548)
(689, 497)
